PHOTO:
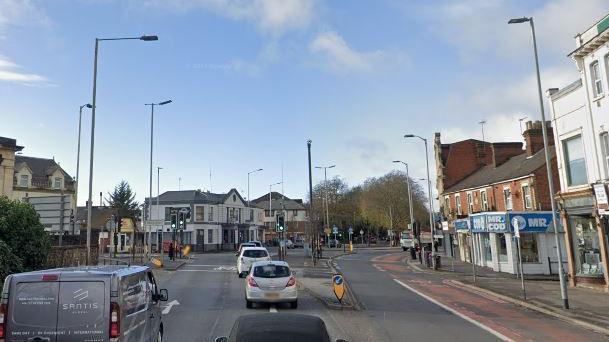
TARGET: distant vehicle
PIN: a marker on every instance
(245, 244)
(270, 282)
(248, 256)
(333, 243)
(405, 241)
(298, 243)
(264, 327)
(257, 243)
(288, 244)
(105, 303)
(373, 239)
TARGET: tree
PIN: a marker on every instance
(9, 262)
(23, 235)
(122, 200)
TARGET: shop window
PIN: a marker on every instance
(486, 244)
(528, 247)
(502, 248)
(575, 161)
(526, 197)
(588, 259)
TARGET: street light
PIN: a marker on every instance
(544, 129)
(248, 185)
(151, 144)
(94, 102)
(88, 105)
(431, 225)
(158, 194)
(325, 168)
(409, 195)
(520, 121)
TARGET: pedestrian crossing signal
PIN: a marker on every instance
(280, 223)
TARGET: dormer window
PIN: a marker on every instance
(57, 183)
(24, 181)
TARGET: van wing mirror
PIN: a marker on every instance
(221, 339)
(163, 295)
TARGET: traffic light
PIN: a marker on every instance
(280, 223)
(174, 221)
(72, 217)
(182, 220)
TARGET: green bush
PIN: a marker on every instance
(24, 235)
(9, 262)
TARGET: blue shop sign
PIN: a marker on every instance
(489, 223)
(533, 222)
(461, 224)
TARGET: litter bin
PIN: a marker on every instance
(413, 253)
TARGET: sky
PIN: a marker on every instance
(252, 81)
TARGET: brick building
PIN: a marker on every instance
(484, 186)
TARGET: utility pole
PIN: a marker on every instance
(325, 168)
(313, 233)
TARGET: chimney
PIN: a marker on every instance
(501, 152)
(533, 136)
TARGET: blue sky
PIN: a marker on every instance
(251, 81)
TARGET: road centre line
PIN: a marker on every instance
(455, 312)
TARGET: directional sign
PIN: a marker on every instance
(338, 285)
(335, 230)
(350, 230)
(361, 232)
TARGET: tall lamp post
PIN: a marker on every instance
(270, 199)
(158, 194)
(94, 102)
(151, 144)
(88, 105)
(248, 185)
(409, 194)
(431, 223)
(544, 129)
(325, 168)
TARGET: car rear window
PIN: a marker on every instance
(271, 271)
(255, 253)
(34, 305)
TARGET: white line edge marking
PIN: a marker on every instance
(272, 309)
(455, 312)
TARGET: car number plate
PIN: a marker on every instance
(271, 295)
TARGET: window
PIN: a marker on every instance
(234, 198)
(575, 161)
(605, 144)
(486, 243)
(251, 214)
(24, 181)
(199, 213)
(501, 247)
(210, 236)
(595, 76)
(267, 213)
(470, 203)
(458, 202)
(294, 213)
(507, 196)
(484, 200)
(167, 213)
(586, 246)
(447, 205)
(57, 184)
(526, 197)
(210, 214)
(528, 247)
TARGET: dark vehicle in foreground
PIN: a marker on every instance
(265, 328)
(105, 303)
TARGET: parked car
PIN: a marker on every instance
(263, 327)
(243, 245)
(257, 243)
(248, 256)
(288, 244)
(298, 243)
(105, 303)
(270, 282)
(334, 243)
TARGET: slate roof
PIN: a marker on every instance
(515, 167)
(42, 167)
(262, 202)
(10, 144)
(193, 196)
(99, 216)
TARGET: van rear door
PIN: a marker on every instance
(83, 311)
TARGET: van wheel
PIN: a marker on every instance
(248, 304)
(294, 304)
(159, 337)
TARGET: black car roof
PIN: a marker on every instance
(293, 328)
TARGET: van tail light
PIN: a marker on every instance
(115, 320)
(50, 277)
(291, 282)
(251, 282)
(3, 314)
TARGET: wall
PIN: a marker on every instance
(7, 172)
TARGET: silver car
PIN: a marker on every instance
(109, 303)
(270, 282)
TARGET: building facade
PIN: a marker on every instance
(293, 210)
(8, 148)
(581, 115)
(214, 221)
(511, 185)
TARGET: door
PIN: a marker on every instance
(153, 321)
(200, 240)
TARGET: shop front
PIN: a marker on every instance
(463, 239)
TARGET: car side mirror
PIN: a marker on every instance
(221, 339)
(341, 340)
(163, 295)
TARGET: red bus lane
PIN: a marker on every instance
(505, 320)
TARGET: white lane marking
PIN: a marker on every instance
(215, 271)
(379, 268)
(226, 268)
(457, 313)
(169, 306)
(272, 309)
(202, 265)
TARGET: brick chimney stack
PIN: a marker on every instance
(533, 136)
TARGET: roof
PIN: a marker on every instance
(293, 328)
(278, 201)
(515, 167)
(99, 215)
(194, 196)
(41, 167)
(9, 143)
(270, 262)
(566, 89)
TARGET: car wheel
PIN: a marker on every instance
(248, 304)
(159, 336)
(294, 304)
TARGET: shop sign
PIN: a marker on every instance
(478, 223)
(461, 224)
(444, 225)
(533, 222)
(602, 204)
(489, 223)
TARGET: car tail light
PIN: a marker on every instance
(251, 282)
(291, 282)
(3, 314)
(115, 320)
(50, 277)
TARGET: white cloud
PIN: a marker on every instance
(10, 72)
(20, 13)
(274, 17)
(338, 56)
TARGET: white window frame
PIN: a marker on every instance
(565, 155)
(508, 199)
(210, 214)
(200, 209)
(458, 204)
(604, 140)
(470, 203)
(23, 178)
(597, 81)
(484, 200)
(447, 204)
(55, 181)
(524, 196)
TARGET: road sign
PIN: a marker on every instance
(335, 230)
(338, 285)
(516, 224)
(361, 232)
(327, 231)
(350, 230)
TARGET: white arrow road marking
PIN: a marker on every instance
(169, 306)
(272, 309)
